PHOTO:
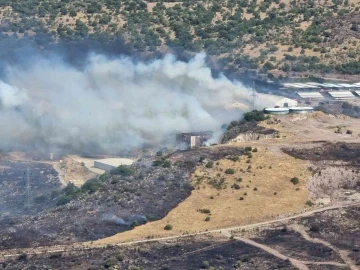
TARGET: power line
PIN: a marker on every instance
(253, 96)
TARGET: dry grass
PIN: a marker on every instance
(226, 208)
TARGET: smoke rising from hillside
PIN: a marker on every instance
(112, 104)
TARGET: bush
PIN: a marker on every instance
(201, 159)
(248, 148)
(112, 261)
(234, 158)
(294, 180)
(168, 227)
(255, 189)
(235, 186)
(309, 203)
(254, 116)
(91, 186)
(207, 219)
(241, 198)
(124, 170)
(22, 257)
(229, 171)
(255, 150)
(210, 164)
(205, 211)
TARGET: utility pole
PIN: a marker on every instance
(253, 96)
(28, 195)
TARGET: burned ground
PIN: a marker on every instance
(117, 204)
(189, 253)
(341, 228)
(348, 152)
(245, 128)
(292, 244)
(13, 174)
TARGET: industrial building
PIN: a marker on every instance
(341, 94)
(193, 139)
(276, 110)
(315, 86)
(310, 95)
(109, 164)
(286, 102)
(301, 110)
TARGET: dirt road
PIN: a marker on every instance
(4, 254)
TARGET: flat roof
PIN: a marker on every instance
(115, 161)
(277, 109)
(341, 94)
(301, 108)
(310, 95)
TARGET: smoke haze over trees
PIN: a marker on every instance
(111, 103)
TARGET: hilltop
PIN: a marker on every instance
(280, 37)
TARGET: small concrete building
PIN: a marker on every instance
(109, 164)
(286, 102)
(193, 139)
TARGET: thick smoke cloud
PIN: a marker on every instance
(112, 104)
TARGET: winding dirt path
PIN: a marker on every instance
(299, 264)
(4, 254)
(343, 254)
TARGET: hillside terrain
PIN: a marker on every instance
(296, 181)
(279, 37)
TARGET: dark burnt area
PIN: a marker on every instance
(340, 228)
(348, 152)
(13, 174)
(190, 158)
(292, 244)
(185, 254)
(246, 127)
(149, 194)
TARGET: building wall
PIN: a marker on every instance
(286, 102)
(103, 166)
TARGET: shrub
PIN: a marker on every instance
(124, 170)
(210, 164)
(234, 158)
(294, 180)
(255, 189)
(22, 257)
(254, 115)
(168, 227)
(229, 171)
(248, 148)
(112, 261)
(245, 194)
(241, 198)
(255, 150)
(235, 186)
(207, 219)
(309, 203)
(275, 193)
(205, 211)
(201, 159)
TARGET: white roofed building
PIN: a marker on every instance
(286, 102)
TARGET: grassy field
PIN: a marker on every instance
(266, 191)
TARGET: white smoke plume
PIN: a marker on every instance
(113, 104)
